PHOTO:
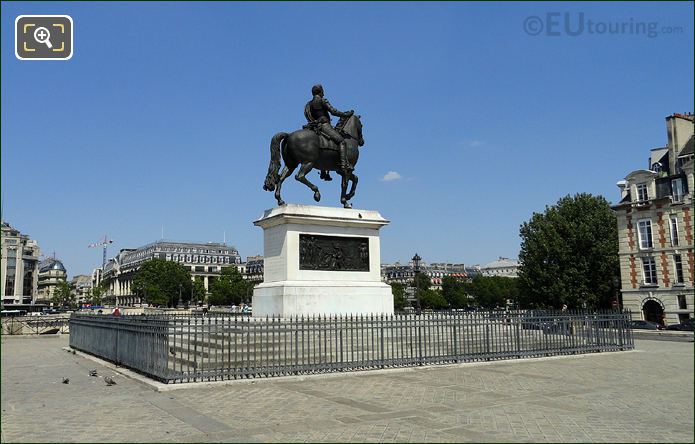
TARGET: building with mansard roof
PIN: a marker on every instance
(503, 267)
(204, 260)
(655, 230)
(51, 273)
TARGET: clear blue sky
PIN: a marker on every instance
(165, 112)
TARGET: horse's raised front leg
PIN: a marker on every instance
(354, 180)
(284, 174)
(301, 177)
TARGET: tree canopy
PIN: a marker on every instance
(569, 254)
(96, 293)
(62, 295)
(199, 291)
(230, 288)
(432, 299)
(159, 282)
(454, 292)
(399, 298)
(492, 291)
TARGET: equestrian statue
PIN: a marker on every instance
(317, 145)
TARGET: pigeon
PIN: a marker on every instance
(109, 381)
(73, 352)
(172, 351)
(66, 380)
(93, 372)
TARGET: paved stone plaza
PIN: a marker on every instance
(645, 395)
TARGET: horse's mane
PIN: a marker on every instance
(340, 126)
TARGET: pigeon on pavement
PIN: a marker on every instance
(93, 372)
(66, 380)
(109, 381)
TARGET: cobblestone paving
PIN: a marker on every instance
(643, 396)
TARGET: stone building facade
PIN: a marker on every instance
(81, 287)
(405, 274)
(19, 267)
(51, 273)
(655, 230)
(253, 270)
(503, 267)
(204, 260)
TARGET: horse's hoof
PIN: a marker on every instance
(317, 196)
(281, 203)
(347, 205)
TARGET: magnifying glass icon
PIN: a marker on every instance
(42, 35)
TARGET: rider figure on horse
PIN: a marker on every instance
(317, 112)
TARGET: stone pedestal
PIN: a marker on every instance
(321, 260)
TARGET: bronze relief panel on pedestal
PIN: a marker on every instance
(333, 253)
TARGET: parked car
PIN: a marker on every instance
(683, 326)
(645, 325)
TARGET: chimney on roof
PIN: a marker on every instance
(680, 129)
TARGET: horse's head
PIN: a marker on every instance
(353, 128)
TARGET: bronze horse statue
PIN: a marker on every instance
(303, 148)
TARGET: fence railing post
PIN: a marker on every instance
(419, 340)
(487, 342)
(454, 324)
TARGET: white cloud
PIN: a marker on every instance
(391, 175)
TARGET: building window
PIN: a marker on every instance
(674, 231)
(642, 193)
(677, 262)
(645, 234)
(681, 302)
(677, 190)
(649, 270)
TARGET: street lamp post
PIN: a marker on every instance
(180, 303)
(616, 285)
(416, 269)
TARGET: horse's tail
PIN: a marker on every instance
(273, 176)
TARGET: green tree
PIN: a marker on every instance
(454, 292)
(492, 291)
(432, 299)
(422, 283)
(199, 292)
(159, 282)
(569, 254)
(62, 295)
(96, 293)
(230, 288)
(399, 298)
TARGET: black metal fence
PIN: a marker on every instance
(216, 347)
(34, 325)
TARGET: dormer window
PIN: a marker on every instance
(642, 192)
